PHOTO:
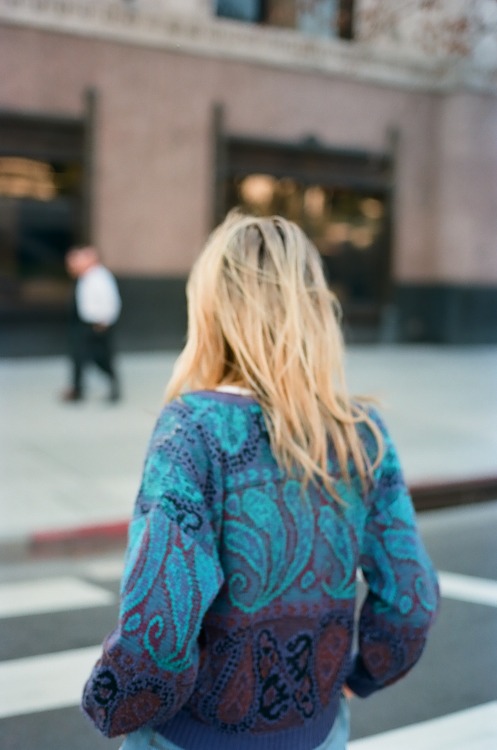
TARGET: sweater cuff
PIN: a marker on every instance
(360, 681)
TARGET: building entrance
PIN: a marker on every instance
(342, 200)
(41, 200)
(42, 213)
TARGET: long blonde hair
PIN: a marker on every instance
(261, 316)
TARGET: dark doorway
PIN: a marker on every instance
(44, 209)
(41, 209)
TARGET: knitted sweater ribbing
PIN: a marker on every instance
(237, 601)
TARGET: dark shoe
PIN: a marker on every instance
(71, 395)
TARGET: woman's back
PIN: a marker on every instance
(262, 569)
(253, 517)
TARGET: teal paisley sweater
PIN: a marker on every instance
(238, 598)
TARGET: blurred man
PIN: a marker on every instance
(95, 310)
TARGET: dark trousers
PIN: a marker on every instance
(92, 344)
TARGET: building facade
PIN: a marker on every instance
(136, 124)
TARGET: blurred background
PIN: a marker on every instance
(136, 124)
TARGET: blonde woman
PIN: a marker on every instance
(265, 489)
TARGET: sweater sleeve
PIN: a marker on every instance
(403, 593)
(149, 663)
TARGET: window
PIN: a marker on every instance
(329, 18)
(347, 226)
(341, 199)
(241, 10)
(37, 216)
(41, 184)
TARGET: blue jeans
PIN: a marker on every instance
(147, 739)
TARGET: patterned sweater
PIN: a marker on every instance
(238, 597)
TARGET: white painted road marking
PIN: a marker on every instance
(471, 729)
(44, 683)
(469, 589)
(453, 585)
(67, 593)
(104, 570)
(463, 588)
(53, 681)
(50, 595)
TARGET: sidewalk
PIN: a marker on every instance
(72, 471)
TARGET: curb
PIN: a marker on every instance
(447, 494)
(81, 540)
(107, 537)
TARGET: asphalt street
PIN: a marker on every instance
(54, 614)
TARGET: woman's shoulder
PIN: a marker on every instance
(198, 405)
(373, 431)
(224, 423)
(212, 413)
(370, 416)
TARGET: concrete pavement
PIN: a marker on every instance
(71, 471)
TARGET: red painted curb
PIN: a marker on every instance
(112, 530)
(82, 539)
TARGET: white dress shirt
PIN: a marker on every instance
(97, 297)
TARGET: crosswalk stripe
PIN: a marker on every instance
(50, 595)
(463, 588)
(43, 683)
(468, 588)
(66, 593)
(54, 681)
(474, 728)
(104, 570)
(453, 585)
